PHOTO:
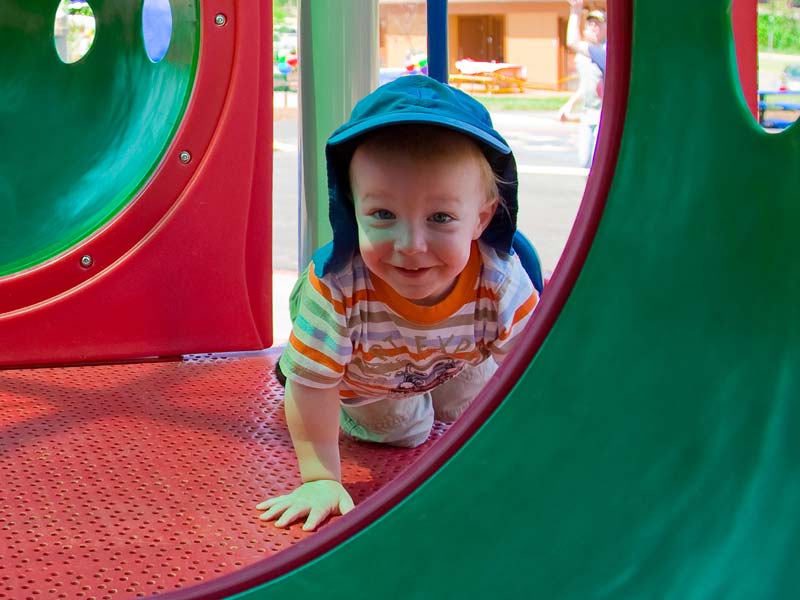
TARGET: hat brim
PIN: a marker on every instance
(367, 125)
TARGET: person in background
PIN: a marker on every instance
(589, 46)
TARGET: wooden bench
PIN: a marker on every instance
(777, 105)
(493, 83)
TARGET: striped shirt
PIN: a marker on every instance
(354, 331)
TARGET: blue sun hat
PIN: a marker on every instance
(413, 99)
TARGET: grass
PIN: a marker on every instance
(552, 101)
(549, 102)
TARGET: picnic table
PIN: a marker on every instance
(494, 77)
(778, 101)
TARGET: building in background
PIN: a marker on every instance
(531, 33)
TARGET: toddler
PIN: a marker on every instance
(404, 316)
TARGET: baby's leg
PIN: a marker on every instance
(404, 422)
(452, 398)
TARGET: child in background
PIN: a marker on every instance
(403, 318)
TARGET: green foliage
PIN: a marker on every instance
(779, 32)
(82, 10)
(77, 8)
(282, 10)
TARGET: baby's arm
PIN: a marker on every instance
(313, 418)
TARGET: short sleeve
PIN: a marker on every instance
(597, 52)
(319, 346)
(516, 298)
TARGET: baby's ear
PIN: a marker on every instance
(485, 217)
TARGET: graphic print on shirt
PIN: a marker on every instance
(417, 382)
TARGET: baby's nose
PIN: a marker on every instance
(410, 240)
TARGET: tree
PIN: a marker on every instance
(283, 10)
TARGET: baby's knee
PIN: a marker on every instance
(451, 399)
(405, 423)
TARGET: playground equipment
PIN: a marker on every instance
(641, 443)
(126, 184)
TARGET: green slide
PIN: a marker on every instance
(79, 139)
(651, 449)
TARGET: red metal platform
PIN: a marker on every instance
(131, 480)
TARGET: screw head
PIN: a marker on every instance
(220, 19)
(87, 261)
(185, 156)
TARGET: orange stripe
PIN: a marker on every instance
(413, 356)
(385, 352)
(420, 356)
(360, 385)
(520, 314)
(325, 292)
(402, 351)
(360, 295)
(315, 355)
(484, 292)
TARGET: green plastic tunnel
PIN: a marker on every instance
(79, 140)
(652, 446)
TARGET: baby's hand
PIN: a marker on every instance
(317, 499)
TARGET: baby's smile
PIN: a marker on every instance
(412, 271)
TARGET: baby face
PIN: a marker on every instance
(417, 218)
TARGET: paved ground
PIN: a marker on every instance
(551, 188)
(770, 65)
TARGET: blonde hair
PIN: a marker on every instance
(425, 141)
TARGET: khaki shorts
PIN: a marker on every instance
(407, 422)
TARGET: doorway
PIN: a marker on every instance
(481, 37)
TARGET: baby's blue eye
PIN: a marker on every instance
(383, 214)
(441, 218)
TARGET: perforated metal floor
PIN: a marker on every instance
(131, 480)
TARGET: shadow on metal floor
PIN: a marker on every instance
(136, 479)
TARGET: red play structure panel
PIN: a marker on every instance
(131, 480)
